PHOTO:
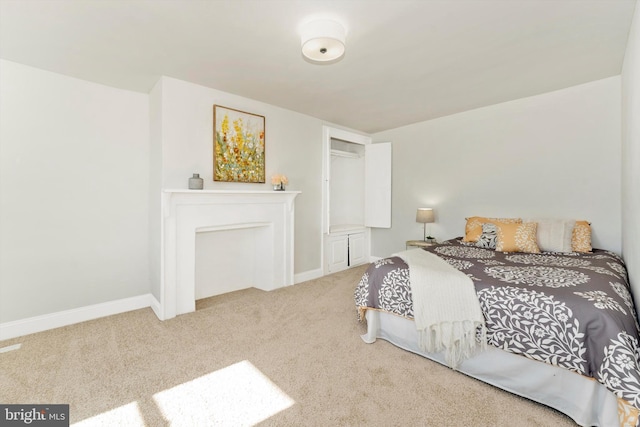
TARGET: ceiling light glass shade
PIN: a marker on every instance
(323, 40)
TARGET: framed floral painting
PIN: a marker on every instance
(238, 146)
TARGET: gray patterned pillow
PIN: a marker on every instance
(488, 237)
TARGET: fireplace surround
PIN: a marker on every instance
(269, 215)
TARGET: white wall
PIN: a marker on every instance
(155, 187)
(182, 132)
(631, 156)
(80, 182)
(73, 193)
(552, 155)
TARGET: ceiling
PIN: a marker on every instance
(406, 60)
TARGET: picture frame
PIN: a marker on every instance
(238, 146)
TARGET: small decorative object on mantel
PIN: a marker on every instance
(279, 181)
(195, 182)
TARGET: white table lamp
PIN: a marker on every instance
(425, 216)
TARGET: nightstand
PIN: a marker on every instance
(418, 244)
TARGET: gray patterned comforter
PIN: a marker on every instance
(571, 310)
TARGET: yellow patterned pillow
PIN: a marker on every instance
(473, 229)
(581, 237)
(517, 238)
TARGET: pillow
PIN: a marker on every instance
(473, 228)
(517, 237)
(581, 237)
(488, 237)
(554, 235)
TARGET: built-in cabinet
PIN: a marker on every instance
(356, 196)
(345, 249)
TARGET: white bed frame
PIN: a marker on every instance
(586, 401)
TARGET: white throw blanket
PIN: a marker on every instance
(445, 307)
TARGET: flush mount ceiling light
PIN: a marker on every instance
(323, 40)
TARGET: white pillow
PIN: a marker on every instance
(554, 235)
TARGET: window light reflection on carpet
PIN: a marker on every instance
(236, 395)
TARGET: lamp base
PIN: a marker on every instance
(428, 238)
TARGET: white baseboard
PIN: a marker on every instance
(45, 322)
(156, 307)
(307, 275)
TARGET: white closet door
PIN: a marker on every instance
(356, 249)
(377, 185)
(337, 253)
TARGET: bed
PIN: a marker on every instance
(560, 327)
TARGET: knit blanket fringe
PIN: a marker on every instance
(458, 340)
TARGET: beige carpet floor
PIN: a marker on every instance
(291, 357)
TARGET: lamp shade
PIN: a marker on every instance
(425, 215)
(323, 40)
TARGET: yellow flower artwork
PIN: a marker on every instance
(238, 146)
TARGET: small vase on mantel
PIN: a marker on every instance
(278, 187)
(195, 182)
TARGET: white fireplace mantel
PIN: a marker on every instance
(270, 214)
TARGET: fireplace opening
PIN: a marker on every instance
(233, 258)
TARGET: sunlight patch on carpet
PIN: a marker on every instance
(238, 395)
(125, 415)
